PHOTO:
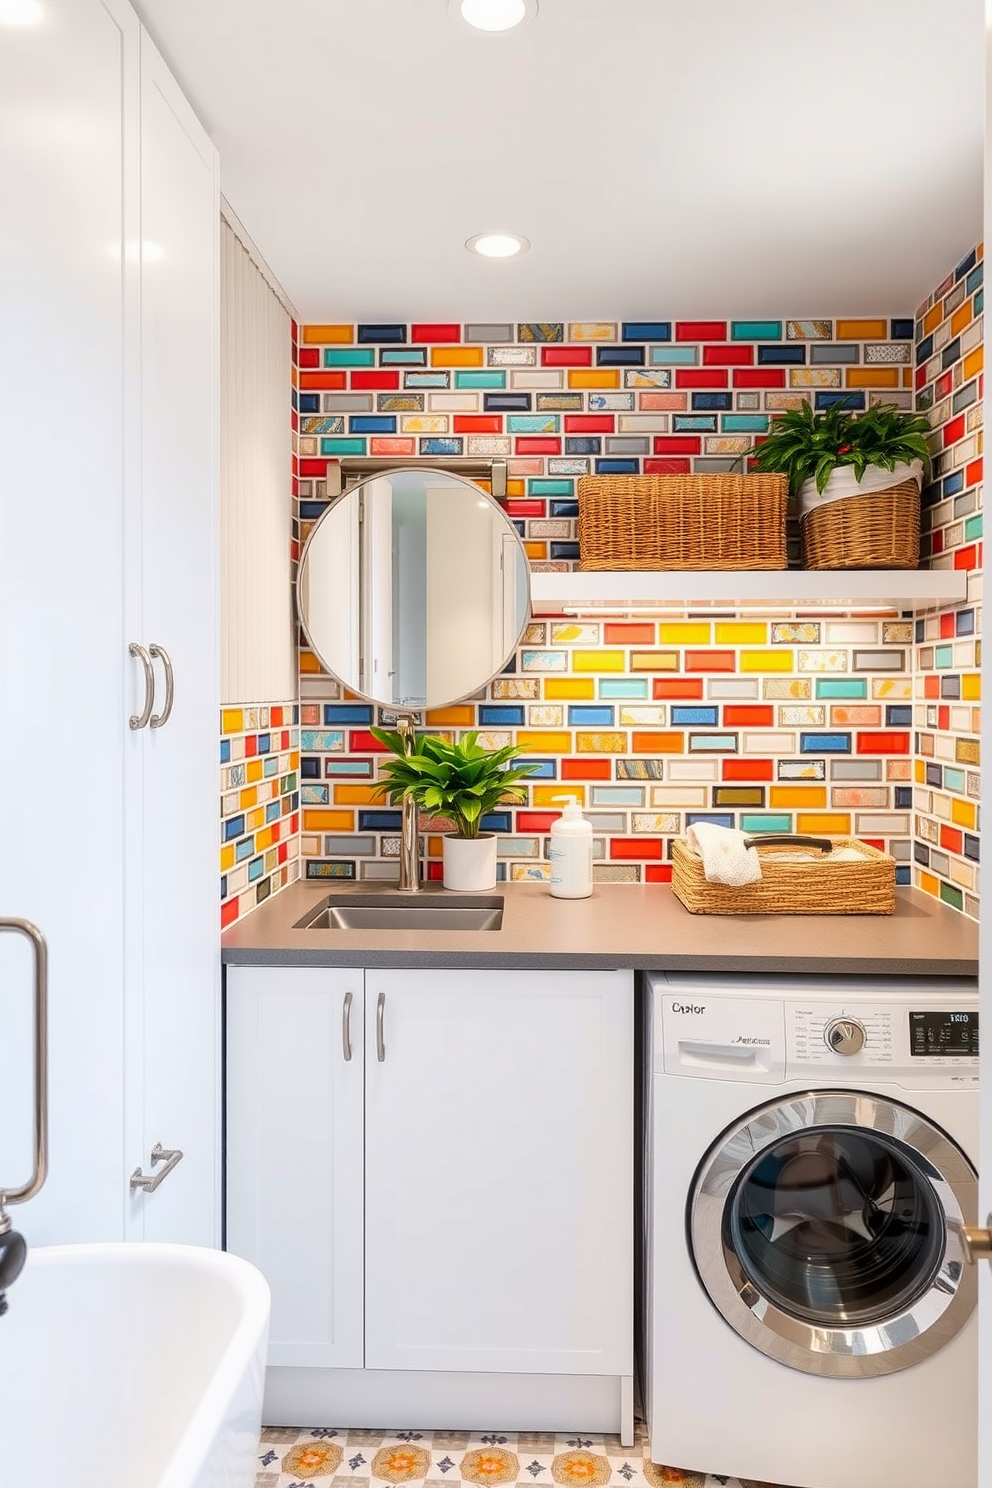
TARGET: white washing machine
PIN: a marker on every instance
(811, 1159)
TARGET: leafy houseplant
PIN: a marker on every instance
(857, 476)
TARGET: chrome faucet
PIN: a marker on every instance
(409, 881)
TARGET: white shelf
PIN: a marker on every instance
(784, 589)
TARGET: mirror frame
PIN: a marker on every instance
(398, 710)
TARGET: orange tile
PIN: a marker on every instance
(357, 795)
(973, 363)
(550, 795)
(933, 318)
(872, 377)
(824, 823)
(960, 319)
(263, 840)
(797, 795)
(328, 821)
(248, 798)
(655, 742)
(254, 820)
(327, 335)
(537, 552)
(862, 330)
(598, 377)
(309, 662)
(572, 688)
(930, 885)
(459, 717)
(255, 771)
(457, 356)
(545, 741)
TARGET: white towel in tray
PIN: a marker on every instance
(727, 859)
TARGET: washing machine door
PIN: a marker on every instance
(826, 1229)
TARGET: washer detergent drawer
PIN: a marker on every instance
(705, 1036)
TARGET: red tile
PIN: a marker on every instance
(275, 717)
(700, 377)
(537, 445)
(678, 444)
(294, 823)
(710, 661)
(309, 356)
(435, 871)
(443, 334)
(760, 377)
(360, 741)
(586, 769)
(728, 356)
(389, 444)
(882, 743)
(878, 843)
(752, 716)
(676, 687)
(954, 431)
(700, 330)
(749, 770)
(966, 557)
(364, 380)
(283, 852)
(973, 472)
(330, 382)
(294, 330)
(625, 848)
(931, 685)
(629, 635)
(591, 423)
(228, 913)
(251, 745)
(566, 356)
(943, 387)
(526, 508)
(947, 625)
(311, 468)
(952, 839)
(944, 717)
(658, 873)
(667, 467)
(294, 421)
(474, 423)
(536, 821)
(921, 376)
(937, 540)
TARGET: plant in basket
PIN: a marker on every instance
(857, 476)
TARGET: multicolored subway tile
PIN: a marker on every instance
(259, 804)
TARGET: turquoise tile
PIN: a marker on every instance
(954, 779)
(744, 423)
(403, 356)
(979, 302)
(755, 330)
(943, 656)
(623, 687)
(617, 795)
(349, 356)
(758, 824)
(533, 423)
(480, 379)
(842, 687)
(673, 356)
(543, 487)
(343, 446)
(973, 527)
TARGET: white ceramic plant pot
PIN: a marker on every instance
(469, 862)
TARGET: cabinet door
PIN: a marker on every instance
(173, 898)
(294, 1153)
(499, 1171)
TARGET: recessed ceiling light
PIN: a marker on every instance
(493, 16)
(497, 245)
(20, 12)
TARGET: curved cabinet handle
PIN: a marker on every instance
(138, 720)
(346, 1027)
(150, 1182)
(159, 652)
(380, 1013)
(40, 1171)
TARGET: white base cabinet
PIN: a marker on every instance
(434, 1171)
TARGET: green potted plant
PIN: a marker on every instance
(857, 477)
(460, 781)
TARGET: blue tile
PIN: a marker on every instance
(897, 716)
(426, 380)
(901, 330)
(623, 687)
(589, 716)
(952, 484)
(792, 353)
(441, 446)
(223, 887)
(379, 333)
(507, 402)
(545, 769)
(904, 874)
(309, 767)
(619, 356)
(496, 821)
(722, 402)
(673, 356)
(376, 424)
(295, 399)
(694, 423)
(583, 446)
(975, 278)
(413, 356)
(355, 715)
(562, 552)
(564, 508)
(646, 330)
(979, 305)
(685, 716)
(902, 797)
(312, 511)
(309, 403)
(273, 811)
(234, 827)
(264, 743)
(496, 716)
(924, 349)
(971, 847)
(244, 849)
(617, 467)
(954, 779)
(966, 264)
(520, 528)
(934, 775)
(964, 623)
(824, 743)
(717, 818)
(850, 400)
(256, 869)
(713, 743)
(379, 821)
(225, 751)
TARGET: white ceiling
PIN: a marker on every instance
(666, 158)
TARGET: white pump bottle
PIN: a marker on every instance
(570, 852)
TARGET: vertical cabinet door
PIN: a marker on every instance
(178, 568)
(499, 1171)
(294, 1153)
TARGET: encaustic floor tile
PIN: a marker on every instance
(290, 1458)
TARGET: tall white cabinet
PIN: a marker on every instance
(108, 518)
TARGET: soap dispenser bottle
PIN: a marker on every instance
(570, 852)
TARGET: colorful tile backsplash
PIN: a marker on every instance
(947, 681)
(260, 804)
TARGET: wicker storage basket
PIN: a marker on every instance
(811, 887)
(877, 531)
(682, 521)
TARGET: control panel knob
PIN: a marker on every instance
(845, 1036)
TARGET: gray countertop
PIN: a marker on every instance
(636, 925)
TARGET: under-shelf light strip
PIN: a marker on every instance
(621, 611)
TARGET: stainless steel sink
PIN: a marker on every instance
(403, 912)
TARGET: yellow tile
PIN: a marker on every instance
(569, 687)
(824, 823)
(328, 821)
(550, 795)
(592, 330)
(248, 798)
(457, 356)
(862, 330)
(597, 377)
(309, 662)
(971, 686)
(872, 377)
(797, 795)
(263, 840)
(960, 318)
(964, 813)
(545, 741)
(226, 857)
(516, 488)
(328, 335)
(767, 661)
(741, 633)
(973, 363)
(930, 884)
(358, 795)
(537, 552)
(684, 633)
(460, 717)
(601, 743)
(255, 819)
(919, 771)
(255, 771)
(232, 720)
(599, 661)
(654, 661)
(933, 318)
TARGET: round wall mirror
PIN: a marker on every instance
(414, 589)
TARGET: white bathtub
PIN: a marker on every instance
(132, 1366)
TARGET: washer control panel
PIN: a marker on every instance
(818, 1031)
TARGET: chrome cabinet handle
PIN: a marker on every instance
(138, 720)
(160, 719)
(40, 1172)
(150, 1181)
(380, 1012)
(346, 1027)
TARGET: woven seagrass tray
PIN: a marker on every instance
(816, 886)
(682, 521)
